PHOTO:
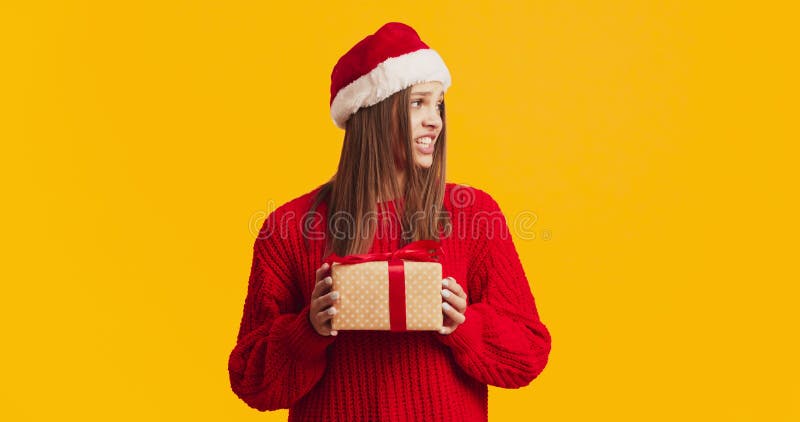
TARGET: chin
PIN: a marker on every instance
(424, 163)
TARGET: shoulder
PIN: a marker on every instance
(466, 198)
(474, 213)
(301, 203)
(298, 205)
(287, 219)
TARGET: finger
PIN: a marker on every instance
(446, 330)
(453, 314)
(324, 328)
(453, 285)
(325, 301)
(321, 271)
(325, 316)
(321, 287)
(458, 302)
(448, 325)
(327, 331)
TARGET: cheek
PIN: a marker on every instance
(414, 116)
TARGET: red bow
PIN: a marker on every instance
(421, 250)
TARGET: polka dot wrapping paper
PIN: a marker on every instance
(364, 296)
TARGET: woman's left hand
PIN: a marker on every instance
(454, 305)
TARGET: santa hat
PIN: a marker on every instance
(388, 61)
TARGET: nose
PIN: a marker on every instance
(432, 118)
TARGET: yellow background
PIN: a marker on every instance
(143, 142)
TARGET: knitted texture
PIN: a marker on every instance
(280, 361)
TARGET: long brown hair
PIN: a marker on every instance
(377, 145)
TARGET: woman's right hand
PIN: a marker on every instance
(322, 300)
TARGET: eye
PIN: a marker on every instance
(416, 103)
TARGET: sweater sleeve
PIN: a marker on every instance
(278, 355)
(502, 341)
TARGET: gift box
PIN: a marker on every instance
(398, 291)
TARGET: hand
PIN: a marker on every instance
(454, 305)
(322, 300)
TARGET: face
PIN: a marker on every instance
(424, 108)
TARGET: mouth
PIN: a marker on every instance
(424, 144)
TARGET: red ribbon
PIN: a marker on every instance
(397, 295)
(421, 251)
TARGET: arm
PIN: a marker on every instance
(502, 342)
(278, 355)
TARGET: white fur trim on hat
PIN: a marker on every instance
(393, 75)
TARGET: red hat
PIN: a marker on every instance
(388, 61)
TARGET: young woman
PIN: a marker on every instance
(387, 92)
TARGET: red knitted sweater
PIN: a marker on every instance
(279, 361)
